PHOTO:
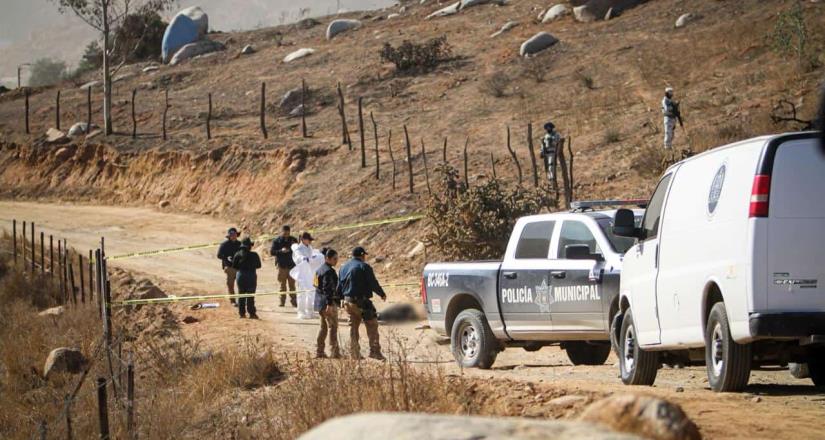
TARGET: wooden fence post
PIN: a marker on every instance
(91, 276)
(14, 239)
(88, 110)
(209, 119)
(42, 430)
(263, 110)
(466, 169)
(532, 154)
(99, 286)
(426, 169)
(342, 112)
(28, 131)
(304, 133)
(570, 152)
(493, 163)
(444, 151)
(33, 248)
(102, 409)
(361, 132)
(72, 285)
(564, 177)
(409, 158)
(60, 264)
(23, 241)
(513, 155)
(130, 398)
(375, 136)
(134, 118)
(42, 253)
(69, 431)
(65, 271)
(165, 110)
(51, 255)
(392, 157)
(57, 111)
(82, 284)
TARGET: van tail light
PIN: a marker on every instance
(760, 195)
(423, 292)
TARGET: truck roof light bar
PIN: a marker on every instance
(589, 205)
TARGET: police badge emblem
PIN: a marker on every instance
(544, 298)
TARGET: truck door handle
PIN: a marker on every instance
(559, 274)
(510, 275)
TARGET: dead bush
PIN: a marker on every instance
(612, 135)
(585, 79)
(410, 57)
(496, 84)
(536, 68)
(475, 223)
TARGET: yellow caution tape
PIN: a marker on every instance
(407, 218)
(175, 299)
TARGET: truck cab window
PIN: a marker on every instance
(534, 241)
(577, 233)
(650, 224)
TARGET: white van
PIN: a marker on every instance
(729, 266)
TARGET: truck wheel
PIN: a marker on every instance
(473, 343)
(799, 371)
(583, 353)
(636, 366)
(728, 363)
(816, 368)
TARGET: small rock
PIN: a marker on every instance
(393, 15)
(684, 19)
(418, 249)
(90, 84)
(67, 360)
(567, 401)
(297, 111)
(507, 26)
(148, 69)
(402, 9)
(298, 54)
(583, 14)
(290, 99)
(78, 129)
(537, 43)
(645, 416)
(443, 12)
(195, 49)
(163, 204)
(680, 389)
(54, 311)
(247, 50)
(608, 15)
(756, 399)
(555, 12)
(342, 25)
(190, 320)
(55, 136)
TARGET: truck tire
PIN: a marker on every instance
(584, 353)
(799, 371)
(816, 368)
(636, 366)
(728, 363)
(473, 343)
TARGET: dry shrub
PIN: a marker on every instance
(536, 67)
(410, 57)
(497, 84)
(475, 222)
(612, 135)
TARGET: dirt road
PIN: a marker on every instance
(774, 406)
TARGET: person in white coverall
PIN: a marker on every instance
(307, 261)
(669, 112)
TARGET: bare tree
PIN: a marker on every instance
(106, 16)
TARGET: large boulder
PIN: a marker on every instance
(196, 14)
(180, 32)
(298, 54)
(290, 99)
(555, 12)
(537, 43)
(443, 12)
(64, 360)
(648, 417)
(342, 25)
(592, 10)
(410, 426)
(195, 49)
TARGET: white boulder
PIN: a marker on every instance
(507, 26)
(247, 50)
(684, 19)
(583, 14)
(298, 54)
(555, 12)
(195, 49)
(197, 15)
(78, 129)
(341, 25)
(449, 10)
(537, 43)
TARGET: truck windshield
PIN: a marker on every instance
(620, 244)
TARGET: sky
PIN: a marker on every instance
(32, 29)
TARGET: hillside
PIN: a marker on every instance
(602, 88)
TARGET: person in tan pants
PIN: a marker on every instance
(226, 251)
(357, 285)
(327, 302)
(282, 251)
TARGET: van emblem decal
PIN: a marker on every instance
(716, 189)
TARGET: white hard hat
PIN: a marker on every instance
(668, 89)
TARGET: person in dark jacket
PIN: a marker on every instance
(247, 263)
(282, 251)
(357, 285)
(226, 251)
(327, 302)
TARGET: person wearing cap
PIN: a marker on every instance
(306, 260)
(669, 112)
(327, 302)
(550, 144)
(247, 262)
(282, 251)
(226, 251)
(357, 284)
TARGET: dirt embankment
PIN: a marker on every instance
(208, 182)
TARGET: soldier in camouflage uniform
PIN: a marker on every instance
(550, 145)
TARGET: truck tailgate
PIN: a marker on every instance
(447, 284)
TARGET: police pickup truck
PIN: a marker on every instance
(557, 284)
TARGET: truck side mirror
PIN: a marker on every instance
(624, 224)
(580, 252)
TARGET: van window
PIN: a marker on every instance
(650, 224)
(573, 233)
(534, 241)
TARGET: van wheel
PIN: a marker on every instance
(816, 368)
(728, 363)
(637, 367)
(473, 343)
(584, 353)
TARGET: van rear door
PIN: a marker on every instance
(796, 227)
